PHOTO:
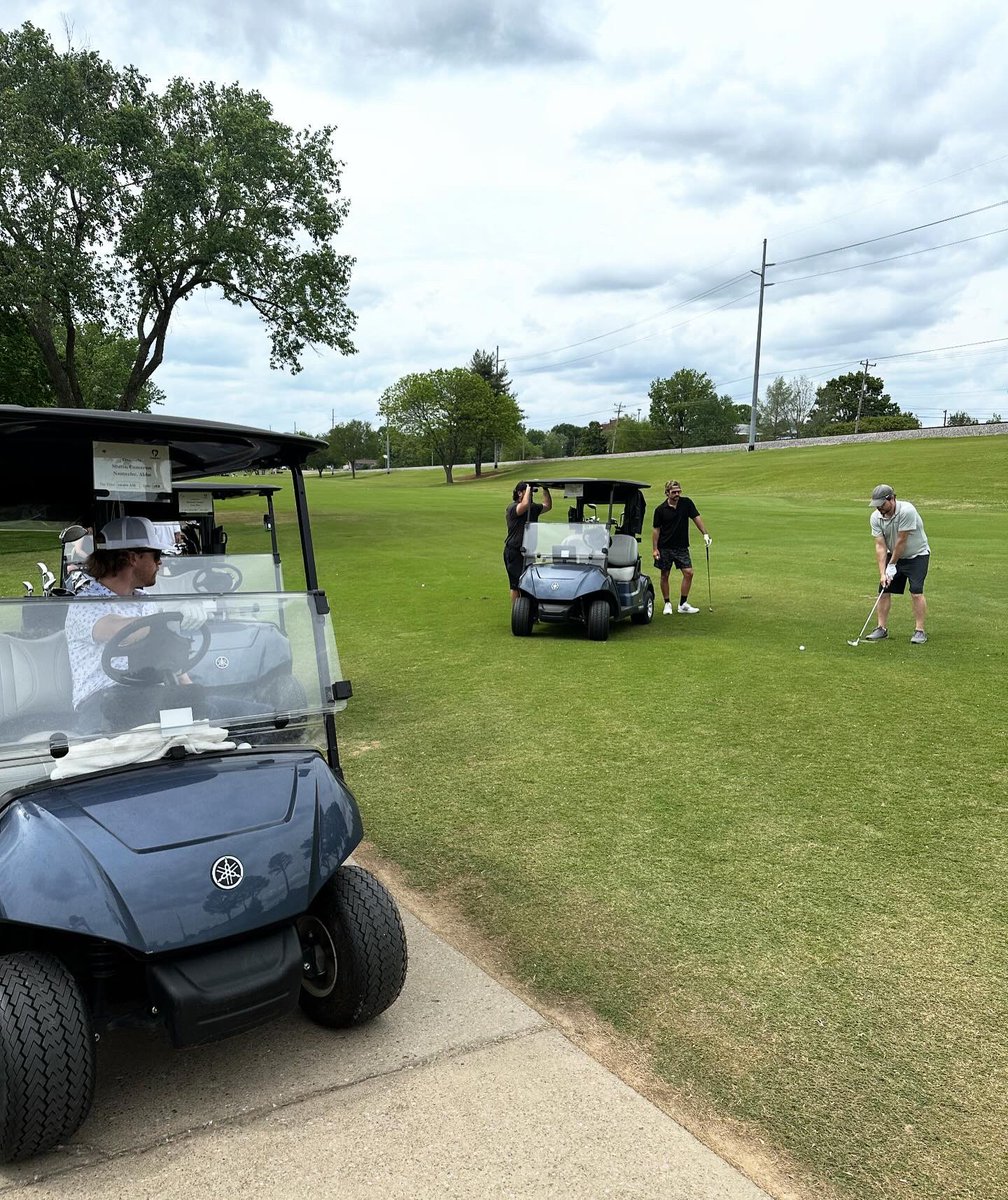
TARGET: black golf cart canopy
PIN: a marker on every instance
(594, 491)
(46, 454)
(228, 491)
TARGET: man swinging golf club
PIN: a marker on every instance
(903, 555)
(670, 543)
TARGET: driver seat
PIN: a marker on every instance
(621, 563)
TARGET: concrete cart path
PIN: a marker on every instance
(459, 1090)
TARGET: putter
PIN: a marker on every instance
(865, 625)
(710, 603)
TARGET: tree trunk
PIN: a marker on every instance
(448, 468)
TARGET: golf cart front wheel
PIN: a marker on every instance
(522, 617)
(47, 1058)
(598, 620)
(353, 947)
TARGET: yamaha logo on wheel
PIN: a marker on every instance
(227, 872)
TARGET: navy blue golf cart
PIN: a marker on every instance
(179, 858)
(582, 566)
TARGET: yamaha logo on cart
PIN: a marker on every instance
(222, 662)
(227, 872)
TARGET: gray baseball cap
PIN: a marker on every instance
(882, 493)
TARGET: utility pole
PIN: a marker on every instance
(944, 417)
(388, 452)
(763, 285)
(619, 409)
(864, 388)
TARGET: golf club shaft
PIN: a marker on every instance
(870, 615)
(710, 603)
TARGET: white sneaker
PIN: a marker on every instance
(667, 610)
(686, 607)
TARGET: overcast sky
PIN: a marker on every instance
(572, 182)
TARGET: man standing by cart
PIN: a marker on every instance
(516, 514)
(670, 543)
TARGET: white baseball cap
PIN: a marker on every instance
(128, 533)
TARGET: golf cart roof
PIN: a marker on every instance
(46, 453)
(228, 491)
(594, 491)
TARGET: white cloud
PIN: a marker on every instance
(533, 176)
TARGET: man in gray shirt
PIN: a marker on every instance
(903, 554)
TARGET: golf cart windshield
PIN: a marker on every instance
(214, 644)
(199, 574)
(260, 666)
(565, 541)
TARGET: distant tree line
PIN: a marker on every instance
(470, 415)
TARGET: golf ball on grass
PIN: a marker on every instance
(801, 647)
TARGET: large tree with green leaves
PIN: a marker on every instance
(442, 407)
(118, 203)
(839, 400)
(687, 411)
(773, 415)
(352, 441)
(503, 416)
(103, 361)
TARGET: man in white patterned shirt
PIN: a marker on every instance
(125, 560)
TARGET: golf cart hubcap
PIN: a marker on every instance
(320, 967)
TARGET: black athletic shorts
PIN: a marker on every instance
(912, 571)
(667, 559)
(514, 564)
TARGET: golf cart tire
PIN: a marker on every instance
(522, 617)
(647, 612)
(355, 927)
(47, 1057)
(598, 620)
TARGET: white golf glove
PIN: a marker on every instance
(890, 572)
(707, 539)
(195, 614)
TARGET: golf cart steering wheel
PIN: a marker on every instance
(158, 655)
(223, 577)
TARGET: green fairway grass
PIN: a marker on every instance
(782, 871)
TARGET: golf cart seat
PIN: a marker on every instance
(621, 563)
(36, 686)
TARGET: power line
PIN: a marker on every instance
(899, 233)
(874, 262)
(822, 368)
(889, 199)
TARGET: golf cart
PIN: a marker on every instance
(177, 858)
(586, 567)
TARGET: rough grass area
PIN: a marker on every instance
(782, 871)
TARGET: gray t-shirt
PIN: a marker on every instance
(905, 517)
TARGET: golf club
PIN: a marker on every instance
(865, 626)
(710, 603)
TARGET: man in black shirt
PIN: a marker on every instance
(670, 542)
(515, 516)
